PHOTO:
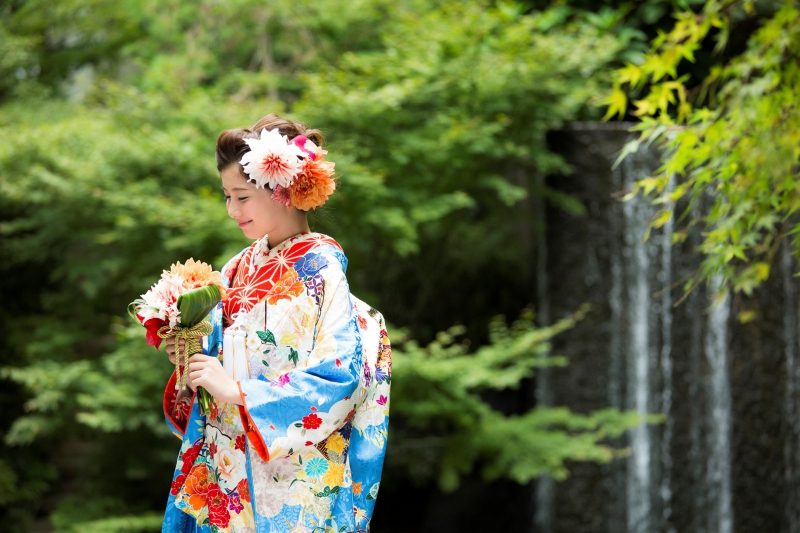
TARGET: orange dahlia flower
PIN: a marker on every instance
(197, 274)
(313, 185)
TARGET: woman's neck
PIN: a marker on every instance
(298, 225)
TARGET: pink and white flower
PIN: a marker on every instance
(272, 159)
(161, 301)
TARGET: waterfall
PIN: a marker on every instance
(719, 400)
(640, 301)
(698, 503)
(636, 215)
(641, 298)
(688, 362)
(665, 281)
(616, 367)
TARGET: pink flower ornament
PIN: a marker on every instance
(306, 145)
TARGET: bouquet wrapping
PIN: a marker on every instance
(177, 305)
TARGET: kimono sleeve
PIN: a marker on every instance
(176, 410)
(313, 401)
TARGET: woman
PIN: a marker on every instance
(296, 434)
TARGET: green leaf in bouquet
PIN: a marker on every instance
(197, 303)
(132, 309)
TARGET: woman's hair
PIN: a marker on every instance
(231, 146)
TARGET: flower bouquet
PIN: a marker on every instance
(178, 306)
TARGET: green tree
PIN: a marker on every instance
(441, 132)
(445, 427)
(730, 136)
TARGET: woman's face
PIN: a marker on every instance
(252, 208)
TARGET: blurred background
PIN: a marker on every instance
(578, 217)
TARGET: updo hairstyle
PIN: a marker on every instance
(231, 146)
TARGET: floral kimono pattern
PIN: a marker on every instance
(305, 451)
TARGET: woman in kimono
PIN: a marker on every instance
(298, 367)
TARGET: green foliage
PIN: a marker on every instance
(91, 215)
(446, 428)
(438, 127)
(731, 137)
(437, 114)
(119, 524)
(79, 514)
(22, 488)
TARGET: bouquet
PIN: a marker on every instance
(178, 306)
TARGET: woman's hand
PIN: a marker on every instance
(207, 372)
(170, 347)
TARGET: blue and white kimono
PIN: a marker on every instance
(313, 364)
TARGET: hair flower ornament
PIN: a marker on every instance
(295, 170)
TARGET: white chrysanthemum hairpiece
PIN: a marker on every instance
(295, 170)
(272, 159)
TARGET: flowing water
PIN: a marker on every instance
(720, 514)
(712, 379)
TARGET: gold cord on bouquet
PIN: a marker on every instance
(192, 345)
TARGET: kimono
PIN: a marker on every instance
(304, 453)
